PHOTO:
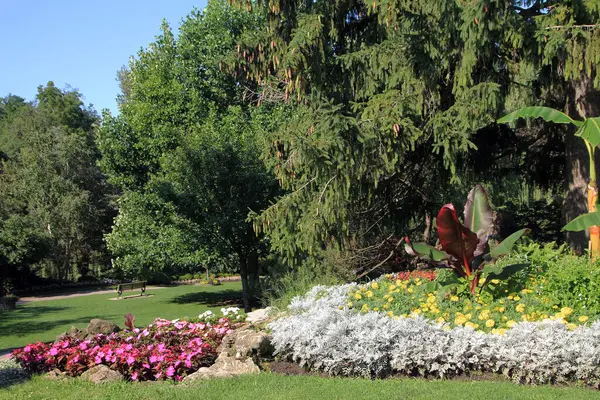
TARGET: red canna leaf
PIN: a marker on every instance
(456, 239)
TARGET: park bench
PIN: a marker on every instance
(121, 287)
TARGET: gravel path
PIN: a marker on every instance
(24, 300)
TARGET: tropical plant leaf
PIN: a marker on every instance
(456, 239)
(504, 272)
(425, 251)
(478, 216)
(546, 113)
(590, 131)
(583, 222)
(507, 244)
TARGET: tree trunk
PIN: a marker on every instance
(245, 288)
(253, 276)
(583, 101)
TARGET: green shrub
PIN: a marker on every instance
(186, 277)
(197, 276)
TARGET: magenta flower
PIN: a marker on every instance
(134, 376)
(170, 371)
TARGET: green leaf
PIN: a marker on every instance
(425, 251)
(590, 131)
(546, 113)
(507, 244)
(505, 272)
(583, 222)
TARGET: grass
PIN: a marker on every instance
(268, 386)
(44, 320)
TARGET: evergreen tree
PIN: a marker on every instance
(391, 94)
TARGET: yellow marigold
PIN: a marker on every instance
(440, 320)
(364, 308)
(468, 316)
(392, 287)
(555, 307)
(358, 296)
(510, 323)
(398, 282)
(490, 323)
(566, 310)
(350, 304)
(472, 325)
(485, 314)
(501, 309)
(369, 294)
(417, 311)
(340, 307)
(495, 281)
(390, 314)
(516, 298)
(460, 320)
(454, 298)
(390, 299)
(520, 308)
(375, 285)
(583, 318)
(410, 290)
(386, 306)
(571, 326)
(376, 309)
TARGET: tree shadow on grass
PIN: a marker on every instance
(212, 299)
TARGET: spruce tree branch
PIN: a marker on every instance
(327, 184)
(559, 27)
(383, 262)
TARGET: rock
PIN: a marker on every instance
(101, 374)
(56, 375)
(224, 367)
(246, 342)
(259, 316)
(71, 333)
(97, 326)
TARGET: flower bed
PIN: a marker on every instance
(324, 334)
(481, 312)
(162, 350)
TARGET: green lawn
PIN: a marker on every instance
(269, 386)
(44, 320)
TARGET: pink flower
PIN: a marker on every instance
(153, 359)
(27, 349)
(98, 360)
(83, 346)
(170, 371)
(158, 375)
(130, 360)
(53, 351)
(134, 376)
(146, 365)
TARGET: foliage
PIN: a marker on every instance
(186, 151)
(323, 337)
(374, 135)
(163, 350)
(467, 251)
(54, 201)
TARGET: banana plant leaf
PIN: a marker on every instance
(479, 216)
(497, 272)
(546, 113)
(424, 251)
(583, 222)
(456, 239)
(590, 131)
(507, 244)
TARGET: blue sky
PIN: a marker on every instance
(78, 43)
